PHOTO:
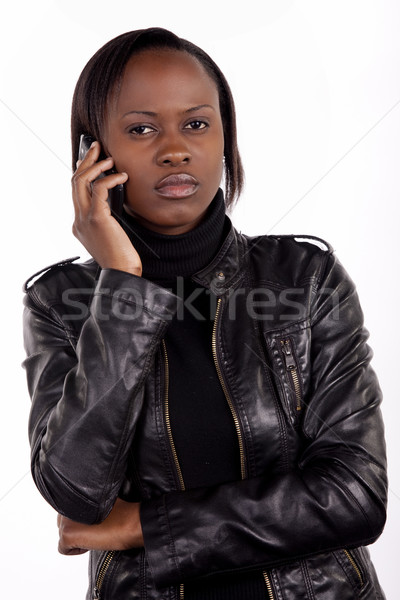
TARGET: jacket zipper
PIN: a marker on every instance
(269, 585)
(235, 419)
(102, 573)
(355, 566)
(170, 438)
(225, 390)
(291, 368)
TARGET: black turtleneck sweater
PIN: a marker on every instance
(165, 257)
(201, 422)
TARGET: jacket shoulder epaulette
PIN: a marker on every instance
(312, 239)
(61, 263)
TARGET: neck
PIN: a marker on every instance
(164, 257)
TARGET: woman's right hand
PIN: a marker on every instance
(94, 226)
(121, 530)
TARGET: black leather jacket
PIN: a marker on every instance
(291, 354)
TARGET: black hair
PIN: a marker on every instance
(105, 70)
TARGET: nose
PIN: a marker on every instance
(173, 152)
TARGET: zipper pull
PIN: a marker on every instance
(291, 367)
(96, 594)
(288, 354)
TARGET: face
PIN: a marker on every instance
(164, 129)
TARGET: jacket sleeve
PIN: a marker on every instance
(87, 395)
(334, 498)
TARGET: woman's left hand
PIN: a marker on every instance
(121, 530)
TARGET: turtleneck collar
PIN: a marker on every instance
(164, 257)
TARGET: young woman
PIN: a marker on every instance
(204, 417)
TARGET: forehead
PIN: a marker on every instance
(155, 78)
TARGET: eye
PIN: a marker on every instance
(196, 125)
(141, 130)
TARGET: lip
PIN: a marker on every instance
(180, 185)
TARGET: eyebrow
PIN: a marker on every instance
(150, 113)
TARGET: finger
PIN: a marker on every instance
(101, 187)
(91, 158)
(82, 181)
(100, 206)
(67, 551)
(87, 172)
(93, 153)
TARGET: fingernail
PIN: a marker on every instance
(78, 162)
(92, 145)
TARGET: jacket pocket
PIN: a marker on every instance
(289, 351)
(355, 563)
(105, 567)
(353, 566)
(120, 574)
(325, 576)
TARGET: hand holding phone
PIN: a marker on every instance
(96, 198)
(115, 194)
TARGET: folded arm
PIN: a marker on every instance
(334, 497)
(86, 399)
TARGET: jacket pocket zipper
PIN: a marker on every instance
(269, 585)
(355, 566)
(170, 437)
(291, 368)
(102, 573)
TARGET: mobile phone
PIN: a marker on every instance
(116, 194)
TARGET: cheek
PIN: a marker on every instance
(136, 188)
(219, 151)
(216, 162)
(218, 169)
(213, 156)
(135, 166)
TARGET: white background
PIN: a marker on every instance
(317, 88)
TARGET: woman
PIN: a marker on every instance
(204, 416)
